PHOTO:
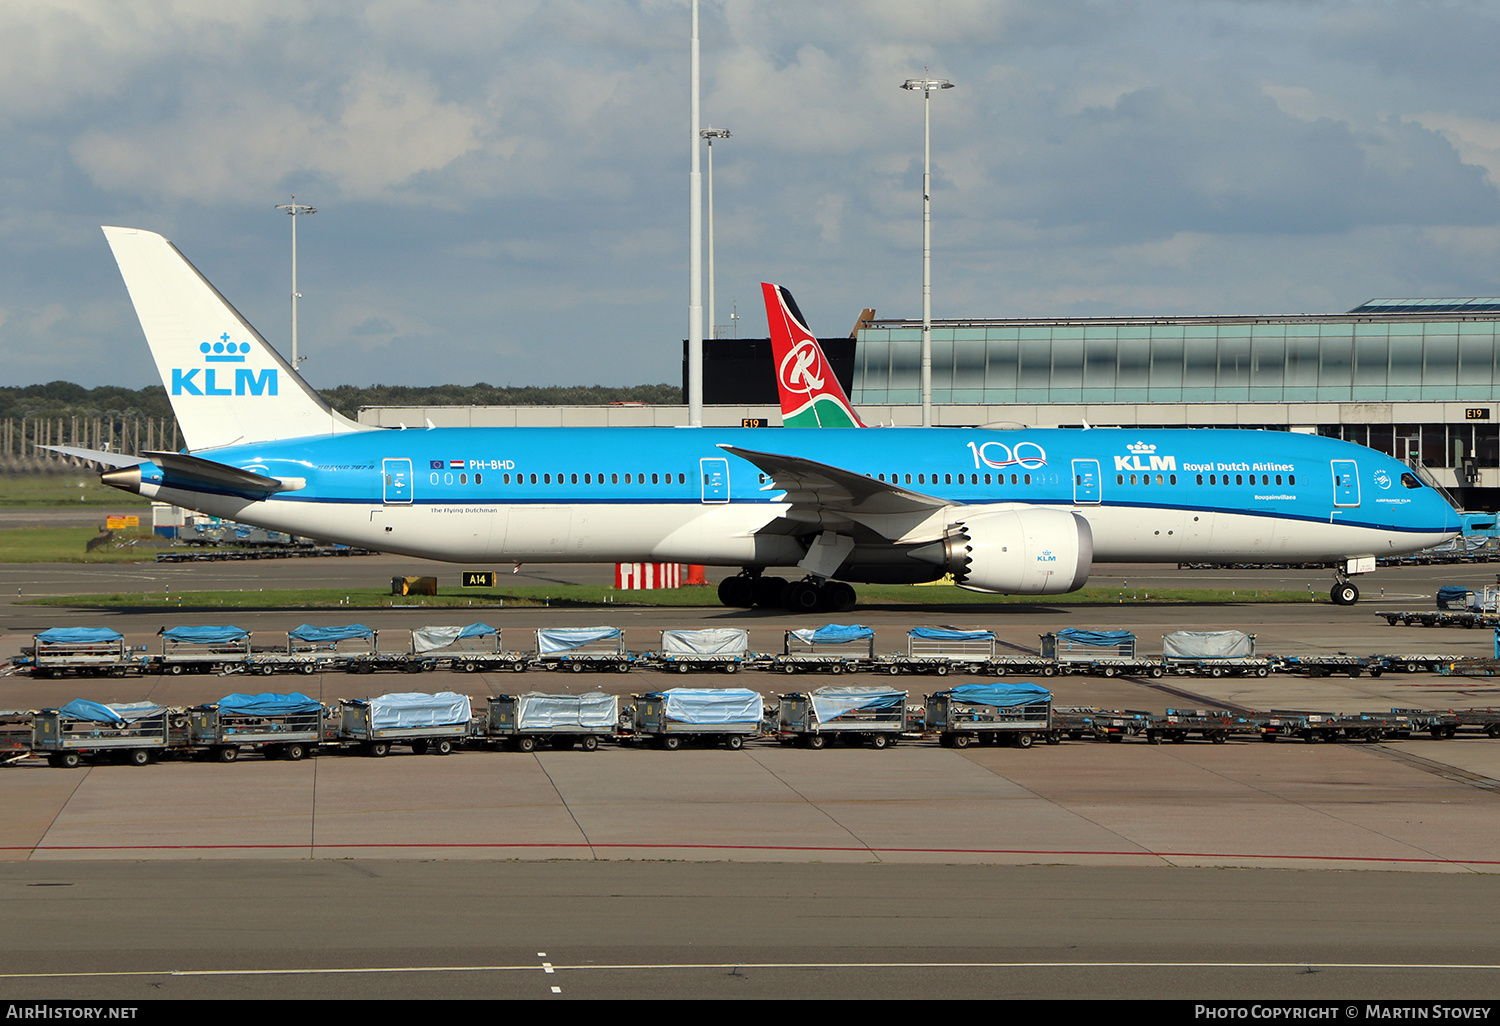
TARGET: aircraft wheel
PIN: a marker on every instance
(801, 597)
(838, 597)
(1344, 594)
(738, 592)
(768, 591)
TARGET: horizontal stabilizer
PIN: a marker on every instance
(108, 459)
(193, 473)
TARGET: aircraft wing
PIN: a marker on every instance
(816, 490)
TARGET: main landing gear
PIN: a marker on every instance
(809, 595)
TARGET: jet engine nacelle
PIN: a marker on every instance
(1017, 552)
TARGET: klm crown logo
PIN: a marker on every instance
(1141, 448)
(225, 350)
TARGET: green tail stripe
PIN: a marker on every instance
(824, 411)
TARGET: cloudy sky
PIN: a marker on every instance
(502, 184)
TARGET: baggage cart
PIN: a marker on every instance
(1076, 722)
(311, 649)
(943, 650)
(720, 648)
(576, 649)
(425, 722)
(472, 649)
(833, 648)
(15, 735)
(1274, 726)
(138, 732)
(1105, 653)
(1486, 721)
(869, 715)
(1019, 713)
(82, 652)
(1213, 654)
(522, 722)
(285, 726)
(718, 716)
(1327, 665)
(1177, 725)
(202, 650)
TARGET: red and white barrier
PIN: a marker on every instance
(636, 576)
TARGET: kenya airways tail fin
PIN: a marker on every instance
(811, 395)
(227, 385)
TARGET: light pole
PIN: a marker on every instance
(293, 209)
(927, 85)
(711, 134)
(695, 253)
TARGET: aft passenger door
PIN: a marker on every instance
(397, 481)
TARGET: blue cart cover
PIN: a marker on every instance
(595, 710)
(999, 694)
(416, 709)
(77, 635)
(832, 702)
(204, 635)
(564, 639)
(834, 634)
(307, 632)
(712, 705)
(951, 634)
(119, 713)
(712, 641)
(429, 639)
(268, 704)
(1102, 638)
(1207, 645)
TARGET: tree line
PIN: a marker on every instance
(63, 399)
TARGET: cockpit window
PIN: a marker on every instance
(1410, 481)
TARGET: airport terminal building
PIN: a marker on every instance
(1416, 379)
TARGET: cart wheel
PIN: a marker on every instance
(1218, 737)
(1024, 739)
(589, 744)
(1262, 671)
(1049, 671)
(836, 668)
(941, 669)
(789, 668)
(229, 753)
(879, 741)
(138, 757)
(442, 746)
(378, 749)
(1054, 738)
(419, 746)
(1153, 737)
(622, 667)
(306, 668)
(669, 743)
(1109, 671)
(893, 669)
(816, 741)
(1157, 671)
(575, 667)
(731, 667)
(517, 667)
(294, 752)
(525, 744)
(64, 760)
(681, 667)
(734, 742)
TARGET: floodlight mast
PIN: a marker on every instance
(926, 85)
(293, 209)
(710, 134)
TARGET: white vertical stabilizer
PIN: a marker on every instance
(227, 385)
